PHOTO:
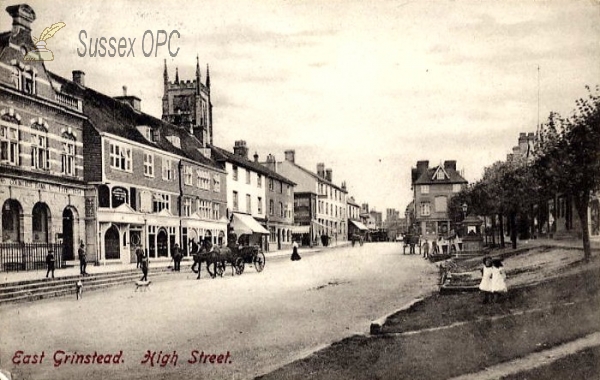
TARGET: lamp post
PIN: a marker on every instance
(464, 210)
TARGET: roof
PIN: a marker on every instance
(220, 154)
(317, 177)
(112, 116)
(427, 177)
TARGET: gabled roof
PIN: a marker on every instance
(219, 154)
(112, 116)
(314, 175)
(428, 177)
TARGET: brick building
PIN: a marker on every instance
(331, 216)
(151, 184)
(432, 190)
(41, 146)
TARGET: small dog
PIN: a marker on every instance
(79, 287)
(144, 285)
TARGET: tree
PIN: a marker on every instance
(569, 157)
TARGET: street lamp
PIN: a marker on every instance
(464, 209)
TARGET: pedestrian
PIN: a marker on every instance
(295, 255)
(144, 267)
(176, 258)
(50, 262)
(82, 259)
(498, 280)
(485, 286)
(139, 255)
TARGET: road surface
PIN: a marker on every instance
(227, 328)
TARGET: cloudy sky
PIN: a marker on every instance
(367, 87)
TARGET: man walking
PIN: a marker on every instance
(82, 259)
(50, 262)
(144, 268)
(176, 258)
(139, 255)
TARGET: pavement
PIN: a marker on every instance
(73, 270)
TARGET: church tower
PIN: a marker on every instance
(187, 104)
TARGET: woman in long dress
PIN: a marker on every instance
(295, 255)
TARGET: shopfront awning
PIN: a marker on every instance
(300, 229)
(246, 224)
(359, 225)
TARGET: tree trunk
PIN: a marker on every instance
(493, 230)
(581, 204)
(513, 229)
(501, 230)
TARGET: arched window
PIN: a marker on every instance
(40, 218)
(9, 136)
(40, 155)
(68, 154)
(11, 221)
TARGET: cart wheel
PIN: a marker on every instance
(259, 261)
(239, 265)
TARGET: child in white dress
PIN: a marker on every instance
(498, 279)
(486, 279)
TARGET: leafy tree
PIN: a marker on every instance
(569, 157)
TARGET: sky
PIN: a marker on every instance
(366, 87)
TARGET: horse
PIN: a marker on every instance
(207, 254)
(230, 255)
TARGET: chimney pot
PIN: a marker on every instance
(23, 15)
(124, 90)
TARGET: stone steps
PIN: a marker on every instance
(32, 290)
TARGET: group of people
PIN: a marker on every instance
(81, 255)
(493, 280)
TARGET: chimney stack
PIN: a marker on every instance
(133, 101)
(255, 156)
(22, 15)
(328, 175)
(321, 170)
(290, 155)
(240, 149)
(79, 77)
(450, 165)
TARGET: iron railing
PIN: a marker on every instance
(28, 256)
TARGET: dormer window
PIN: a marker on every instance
(175, 140)
(23, 77)
(440, 175)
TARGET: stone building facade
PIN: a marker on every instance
(41, 147)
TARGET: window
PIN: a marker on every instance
(424, 189)
(205, 209)
(271, 184)
(235, 201)
(248, 204)
(235, 173)
(441, 204)
(160, 202)
(289, 190)
(281, 209)
(28, 82)
(425, 209)
(167, 169)
(203, 179)
(440, 175)
(40, 155)
(258, 180)
(286, 212)
(456, 188)
(187, 207)
(259, 203)
(120, 157)
(280, 187)
(148, 164)
(271, 207)
(68, 154)
(9, 143)
(216, 183)
(248, 177)
(188, 175)
(216, 212)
